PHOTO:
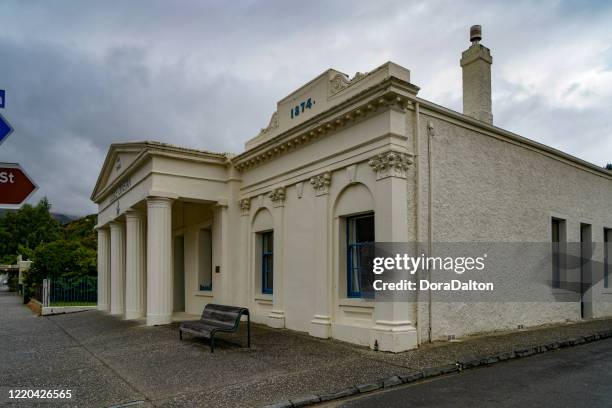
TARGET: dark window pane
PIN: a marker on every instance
(365, 229)
(556, 254)
(267, 262)
(360, 250)
(606, 258)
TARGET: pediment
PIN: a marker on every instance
(118, 159)
(327, 90)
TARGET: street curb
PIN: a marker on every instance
(437, 371)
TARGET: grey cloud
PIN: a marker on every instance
(81, 75)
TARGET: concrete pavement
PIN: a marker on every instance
(107, 361)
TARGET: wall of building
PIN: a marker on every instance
(308, 218)
(487, 189)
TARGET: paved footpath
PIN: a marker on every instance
(107, 361)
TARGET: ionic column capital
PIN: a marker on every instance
(390, 164)
(159, 202)
(116, 224)
(131, 214)
(321, 183)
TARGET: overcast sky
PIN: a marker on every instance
(80, 75)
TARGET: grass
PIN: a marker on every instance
(75, 303)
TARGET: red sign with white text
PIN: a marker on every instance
(15, 185)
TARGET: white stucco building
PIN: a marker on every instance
(342, 162)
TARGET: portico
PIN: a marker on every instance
(138, 224)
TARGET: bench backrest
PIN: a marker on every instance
(223, 315)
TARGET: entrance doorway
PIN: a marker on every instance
(179, 274)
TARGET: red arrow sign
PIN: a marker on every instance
(15, 185)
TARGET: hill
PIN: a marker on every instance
(59, 217)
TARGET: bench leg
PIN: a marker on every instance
(248, 331)
(212, 343)
(180, 335)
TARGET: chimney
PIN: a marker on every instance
(476, 66)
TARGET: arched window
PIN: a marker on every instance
(264, 251)
(354, 210)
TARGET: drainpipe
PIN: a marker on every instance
(417, 113)
(417, 195)
(430, 134)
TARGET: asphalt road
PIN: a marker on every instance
(574, 377)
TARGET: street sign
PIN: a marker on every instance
(15, 185)
(2, 96)
(5, 129)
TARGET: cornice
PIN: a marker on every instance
(391, 93)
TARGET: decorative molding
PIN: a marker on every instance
(271, 126)
(351, 173)
(278, 197)
(390, 164)
(120, 190)
(134, 213)
(321, 183)
(340, 82)
(286, 143)
(430, 129)
(245, 206)
(299, 188)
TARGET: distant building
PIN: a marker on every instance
(342, 162)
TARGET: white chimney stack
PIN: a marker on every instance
(476, 66)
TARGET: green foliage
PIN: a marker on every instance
(27, 227)
(609, 166)
(82, 230)
(61, 258)
(68, 251)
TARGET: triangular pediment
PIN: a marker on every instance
(124, 158)
(118, 159)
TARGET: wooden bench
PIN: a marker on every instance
(217, 318)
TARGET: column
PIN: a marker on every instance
(104, 269)
(159, 261)
(224, 291)
(135, 262)
(394, 329)
(117, 295)
(320, 325)
(243, 260)
(276, 317)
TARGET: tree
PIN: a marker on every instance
(61, 258)
(609, 166)
(82, 230)
(27, 228)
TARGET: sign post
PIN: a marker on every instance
(15, 185)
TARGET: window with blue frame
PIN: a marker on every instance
(607, 233)
(267, 262)
(360, 251)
